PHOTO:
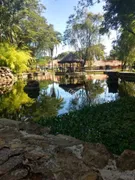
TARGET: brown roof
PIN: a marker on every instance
(107, 63)
(71, 88)
(71, 58)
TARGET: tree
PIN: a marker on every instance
(62, 55)
(82, 33)
(113, 54)
(22, 24)
(126, 89)
(125, 48)
(118, 13)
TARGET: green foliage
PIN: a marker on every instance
(17, 60)
(18, 105)
(44, 84)
(96, 52)
(126, 89)
(22, 23)
(43, 61)
(119, 13)
(124, 48)
(45, 107)
(11, 104)
(62, 55)
(111, 123)
(82, 33)
(113, 54)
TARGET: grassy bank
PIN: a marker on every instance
(112, 124)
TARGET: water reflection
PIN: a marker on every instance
(62, 96)
(112, 85)
(44, 106)
(12, 103)
(22, 105)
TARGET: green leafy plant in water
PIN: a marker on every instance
(112, 124)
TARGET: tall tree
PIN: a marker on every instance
(82, 33)
(22, 24)
(118, 13)
(124, 48)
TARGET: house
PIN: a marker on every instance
(106, 65)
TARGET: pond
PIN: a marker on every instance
(59, 95)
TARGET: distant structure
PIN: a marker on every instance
(107, 65)
(70, 63)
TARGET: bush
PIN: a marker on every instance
(16, 60)
(112, 124)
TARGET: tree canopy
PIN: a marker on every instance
(118, 13)
(23, 24)
(82, 33)
(24, 33)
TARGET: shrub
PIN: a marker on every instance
(17, 60)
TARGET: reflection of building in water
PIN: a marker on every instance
(71, 80)
(71, 84)
(71, 88)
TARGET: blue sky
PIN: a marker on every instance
(57, 13)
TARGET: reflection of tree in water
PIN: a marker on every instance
(112, 85)
(93, 89)
(47, 105)
(11, 104)
(86, 95)
(18, 105)
(53, 91)
(126, 89)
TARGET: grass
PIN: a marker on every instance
(112, 124)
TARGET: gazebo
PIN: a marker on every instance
(70, 63)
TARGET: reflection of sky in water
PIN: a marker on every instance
(67, 97)
(106, 96)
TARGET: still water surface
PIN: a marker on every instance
(60, 96)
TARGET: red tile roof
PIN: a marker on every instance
(107, 63)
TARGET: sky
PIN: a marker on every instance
(57, 13)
